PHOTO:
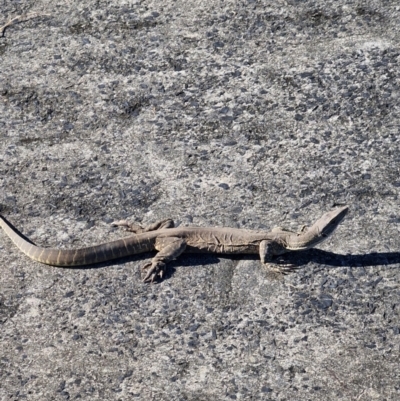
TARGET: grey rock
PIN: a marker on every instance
(143, 110)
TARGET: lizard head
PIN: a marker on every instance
(327, 224)
(318, 232)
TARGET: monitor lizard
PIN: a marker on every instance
(171, 241)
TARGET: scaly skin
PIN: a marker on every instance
(171, 242)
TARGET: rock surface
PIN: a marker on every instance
(219, 113)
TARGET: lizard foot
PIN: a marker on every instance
(153, 271)
(135, 228)
(283, 269)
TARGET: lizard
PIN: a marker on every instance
(172, 241)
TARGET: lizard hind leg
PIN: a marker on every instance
(137, 228)
(169, 248)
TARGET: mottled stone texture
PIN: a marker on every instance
(238, 113)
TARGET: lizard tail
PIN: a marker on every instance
(74, 257)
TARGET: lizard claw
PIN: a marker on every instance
(153, 271)
(286, 268)
(134, 228)
(283, 269)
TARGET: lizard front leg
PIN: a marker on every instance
(268, 250)
(169, 248)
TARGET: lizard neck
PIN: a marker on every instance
(301, 241)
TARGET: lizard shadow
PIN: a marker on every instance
(185, 261)
(338, 260)
(298, 259)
